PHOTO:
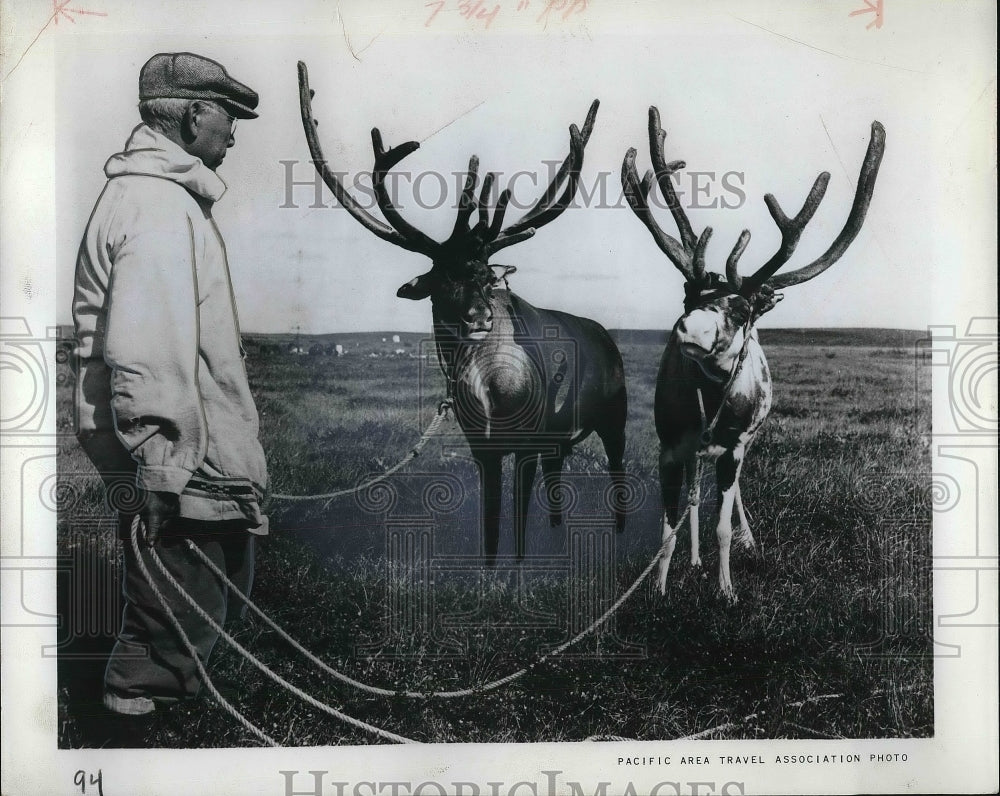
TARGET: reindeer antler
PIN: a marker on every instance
(548, 208)
(792, 228)
(400, 233)
(487, 235)
(688, 254)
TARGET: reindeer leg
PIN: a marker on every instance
(525, 465)
(694, 500)
(745, 537)
(727, 470)
(612, 435)
(552, 473)
(671, 478)
(491, 467)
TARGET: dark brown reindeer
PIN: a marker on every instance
(713, 390)
(523, 380)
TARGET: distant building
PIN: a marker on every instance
(395, 338)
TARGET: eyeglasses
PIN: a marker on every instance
(232, 119)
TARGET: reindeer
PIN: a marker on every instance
(713, 390)
(522, 380)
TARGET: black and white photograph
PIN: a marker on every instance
(499, 397)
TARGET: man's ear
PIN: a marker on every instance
(191, 120)
(417, 288)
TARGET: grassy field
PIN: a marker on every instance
(831, 636)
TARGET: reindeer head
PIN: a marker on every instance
(461, 280)
(718, 311)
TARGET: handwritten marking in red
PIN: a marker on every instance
(430, 19)
(477, 10)
(485, 11)
(567, 7)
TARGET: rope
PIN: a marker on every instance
(263, 667)
(432, 428)
(464, 692)
(243, 720)
(706, 434)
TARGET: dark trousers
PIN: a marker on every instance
(149, 662)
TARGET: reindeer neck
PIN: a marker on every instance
(456, 355)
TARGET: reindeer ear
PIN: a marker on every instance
(507, 271)
(417, 288)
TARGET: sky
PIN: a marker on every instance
(772, 94)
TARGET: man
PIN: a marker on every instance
(164, 408)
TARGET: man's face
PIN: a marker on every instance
(214, 134)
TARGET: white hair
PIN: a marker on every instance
(164, 114)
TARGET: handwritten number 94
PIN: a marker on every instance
(81, 779)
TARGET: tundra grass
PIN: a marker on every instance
(831, 636)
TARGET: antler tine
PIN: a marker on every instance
(348, 202)
(516, 232)
(791, 231)
(732, 274)
(859, 209)
(547, 208)
(698, 262)
(664, 170)
(550, 193)
(484, 198)
(637, 195)
(386, 159)
(466, 204)
(499, 213)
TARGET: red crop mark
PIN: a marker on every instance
(60, 8)
(871, 7)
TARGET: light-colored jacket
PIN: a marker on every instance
(161, 364)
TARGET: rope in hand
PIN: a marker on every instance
(480, 689)
(238, 647)
(442, 413)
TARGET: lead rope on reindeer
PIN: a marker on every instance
(436, 421)
(763, 300)
(464, 692)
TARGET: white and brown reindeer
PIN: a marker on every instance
(510, 392)
(713, 390)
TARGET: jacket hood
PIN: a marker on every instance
(152, 154)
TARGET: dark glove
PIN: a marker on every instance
(159, 509)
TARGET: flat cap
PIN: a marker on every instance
(190, 76)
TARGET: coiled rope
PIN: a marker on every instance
(264, 668)
(464, 692)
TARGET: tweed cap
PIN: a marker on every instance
(190, 76)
